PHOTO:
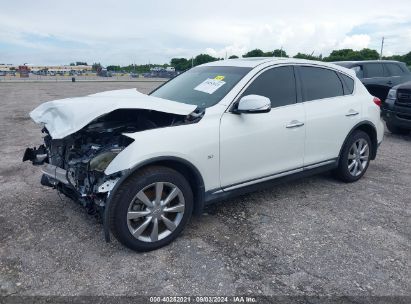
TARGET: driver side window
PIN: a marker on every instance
(277, 84)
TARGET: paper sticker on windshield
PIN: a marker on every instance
(209, 85)
(219, 77)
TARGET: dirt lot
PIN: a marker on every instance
(315, 236)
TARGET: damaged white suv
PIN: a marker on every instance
(148, 162)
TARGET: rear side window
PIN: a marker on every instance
(348, 84)
(358, 71)
(320, 83)
(394, 69)
(277, 84)
(374, 70)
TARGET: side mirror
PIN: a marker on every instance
(253, 104)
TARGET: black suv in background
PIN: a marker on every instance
(379, 76)
(396, 109)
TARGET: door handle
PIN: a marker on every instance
(389, 82)
(294, 124)
(352, 113)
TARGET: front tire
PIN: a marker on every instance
(151, 208)
(397, 130)
(355, 157)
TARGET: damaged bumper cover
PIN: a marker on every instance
(55, 173)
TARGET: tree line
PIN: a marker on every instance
(182, 64)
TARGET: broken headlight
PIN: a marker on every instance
(101, 161)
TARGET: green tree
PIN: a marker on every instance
(255, 53)
(203, 58)
(341, 55)
(280, 53)
(233, 57)
(306, 56)
(368, 54)
(180, 64)
(406, 58)
(114, 68)
(349, 54)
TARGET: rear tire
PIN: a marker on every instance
(397, 130)
(355, 157)
(150, 208)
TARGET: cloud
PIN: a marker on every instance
(355, 42)
(127, 31)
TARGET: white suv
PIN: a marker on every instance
(147, 162)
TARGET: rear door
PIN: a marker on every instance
(331, 112)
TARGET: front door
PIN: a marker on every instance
(258, 146)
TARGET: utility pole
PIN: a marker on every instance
(281, 52)
(382, 47)
(192, 61)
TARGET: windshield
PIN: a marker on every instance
(202, 86)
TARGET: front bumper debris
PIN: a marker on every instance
(37, 156)
(55, 173)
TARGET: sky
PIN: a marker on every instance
(121, 32)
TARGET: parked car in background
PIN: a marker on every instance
(147, 162)
(379, 76)
(396, 109)
(103, 72)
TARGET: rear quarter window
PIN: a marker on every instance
(358, 71)
(348, 84)
(319, 83)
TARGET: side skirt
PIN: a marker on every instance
(218, 195)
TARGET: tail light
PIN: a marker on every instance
(377, 101)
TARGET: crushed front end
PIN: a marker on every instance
(75, 164)
(83, 135)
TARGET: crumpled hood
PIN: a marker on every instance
(63, 117)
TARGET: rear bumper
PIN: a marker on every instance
(399, 119)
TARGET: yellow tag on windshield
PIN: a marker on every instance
(219, 77)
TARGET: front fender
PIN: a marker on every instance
(196, 144)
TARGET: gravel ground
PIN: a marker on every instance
(314, 236)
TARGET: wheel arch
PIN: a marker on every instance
(186, 168)
(369, 128)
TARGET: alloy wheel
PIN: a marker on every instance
(358, 157)
(155, 212)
